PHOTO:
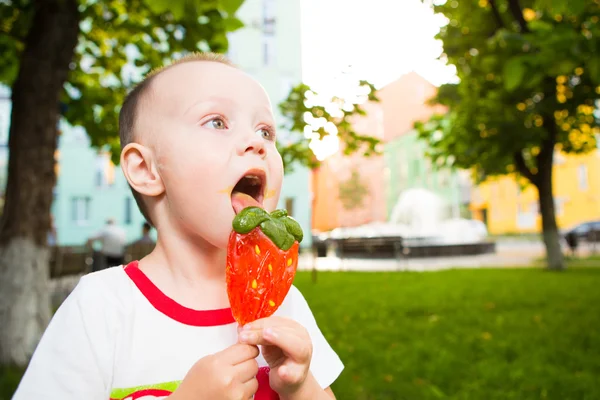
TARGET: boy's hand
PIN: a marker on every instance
(227, 375)
(287, 348)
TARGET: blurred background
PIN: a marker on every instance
(442, 158)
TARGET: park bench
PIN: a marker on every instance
(79, 260)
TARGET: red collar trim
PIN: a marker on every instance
(171, 308)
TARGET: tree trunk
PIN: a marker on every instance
(550, 233)
(24, 255)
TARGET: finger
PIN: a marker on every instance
(256, 333)
(297, 347)
(268, 322)
(250, 388)
(239, 352)
(246, 370)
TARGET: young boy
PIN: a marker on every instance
(162, 327)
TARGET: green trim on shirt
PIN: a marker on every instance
(120, 394)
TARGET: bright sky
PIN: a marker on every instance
(377, 40)
(380, 39)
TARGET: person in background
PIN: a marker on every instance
(113, 239)
(145, 239)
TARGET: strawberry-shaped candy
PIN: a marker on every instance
(262, 257)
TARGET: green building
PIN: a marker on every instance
(407, 167)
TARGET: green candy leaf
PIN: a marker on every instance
(278, 226)
(276, 231)
(249, 218)
(294, 228)
(279, 213)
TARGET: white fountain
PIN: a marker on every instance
(420, 217)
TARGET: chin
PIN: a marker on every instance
(218, 241)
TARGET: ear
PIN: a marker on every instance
(140, 169)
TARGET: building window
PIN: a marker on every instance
(268, 51)
(416, 168)
(104, 172)
(269, 17)
(286, 86)
(444, 177)
(99, 178)
(268, 32)
(289, 206)
(558, 159)
(526, 216)
(128, 209)
(582, 176)
(559, 206)
(80, 210)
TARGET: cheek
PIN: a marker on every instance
(189, 172)
(275, 182)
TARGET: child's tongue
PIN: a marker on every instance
(239, 201)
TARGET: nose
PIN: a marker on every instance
(252, 144)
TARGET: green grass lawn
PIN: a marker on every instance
(462, 334)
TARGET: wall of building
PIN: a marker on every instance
(407, 167)
(89, 190)
(507, 207)
(336, 173)
(403, 164)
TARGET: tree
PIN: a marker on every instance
(311, 120)
(352, 192)
(73, 57)
(528, 74)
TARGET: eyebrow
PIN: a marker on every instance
(266, 111)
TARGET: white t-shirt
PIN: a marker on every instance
(118, 336)
(114, 239)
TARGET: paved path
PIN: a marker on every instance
(509, 253)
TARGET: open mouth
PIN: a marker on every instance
(249, 191)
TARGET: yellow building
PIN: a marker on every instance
(505, 207)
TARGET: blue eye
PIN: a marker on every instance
(216, 123)
(266, 133)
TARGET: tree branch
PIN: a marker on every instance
(515, 10)
(496, 14)
(524, 169)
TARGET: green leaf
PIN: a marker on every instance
(231, 6)
(232, 24)
(513, 73)
(534, 80)
(540, 25)
(563, 67)
(594, 68)
(553, 6)
(162, 6)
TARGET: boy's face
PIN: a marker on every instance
(210, 125)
